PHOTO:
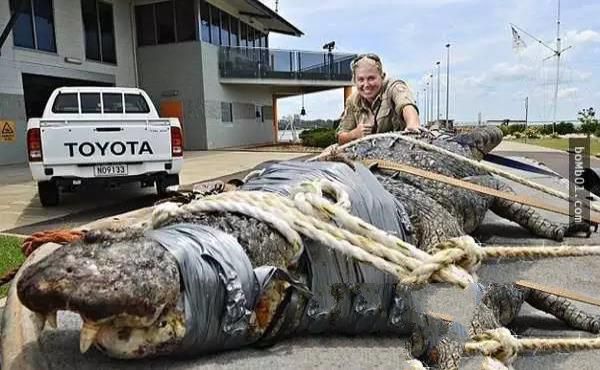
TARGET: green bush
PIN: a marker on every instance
(564, 128)
(554, 135)
(318, 137)
(532, 133)
(545, 130)
(517, 135)
(516, 128)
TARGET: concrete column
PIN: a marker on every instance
(347, 92)
(275, 121)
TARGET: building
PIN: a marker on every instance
(207, 62)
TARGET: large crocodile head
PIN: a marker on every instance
(124, 286)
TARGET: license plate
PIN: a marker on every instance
(110, 170)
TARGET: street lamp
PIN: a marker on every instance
(447, 82)
(438, 91)
(431, 99)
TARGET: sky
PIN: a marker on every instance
(487, 75)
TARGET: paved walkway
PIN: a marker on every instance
(20, 206)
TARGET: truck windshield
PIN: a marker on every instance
(90, 103)
(66, 103)
(113, 102)
(135, 103)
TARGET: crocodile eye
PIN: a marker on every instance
(162, 324)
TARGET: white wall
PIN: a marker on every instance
(240, 131)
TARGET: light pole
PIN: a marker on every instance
(426, 102)
(438, 91)
(431, 100)
(447, 82)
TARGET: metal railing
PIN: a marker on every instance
(239, 62)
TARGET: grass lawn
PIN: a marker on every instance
(561, 143)
(10, 257)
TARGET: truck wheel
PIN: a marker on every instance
(48, 192)
(163, 183)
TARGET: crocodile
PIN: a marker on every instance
(132, 286)
(439, 211)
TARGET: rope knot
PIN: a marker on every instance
(463, 251)
(499, 344)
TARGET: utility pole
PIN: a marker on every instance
(438, 91)
(431, 100)
(447, 83)
(526, 114)
(555, 53)
(425, 90)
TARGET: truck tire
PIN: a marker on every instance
(164, 182)
(48, 192)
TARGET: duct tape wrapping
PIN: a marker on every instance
(220, 286)
(347, 296)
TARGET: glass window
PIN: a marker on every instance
(224, 29)
(215, 26)
(184, 14)
(243, 34)
(113, 102)
(90, 103)
(235, 31)
(204, 21)
(23, 28)
(250, 37)
(135, 103)
(90, 22)
(258, 42)
(44, 25)
(99, 31)
(165, 22)
(66, 103)
(38, 13)
(107, 29)
(144, 19)
(226, 112)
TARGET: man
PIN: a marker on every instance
(378, 104)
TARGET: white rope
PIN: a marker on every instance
(477, 164)
(353, 237)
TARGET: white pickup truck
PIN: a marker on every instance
(105, 135)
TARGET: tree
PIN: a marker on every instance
(589, 122)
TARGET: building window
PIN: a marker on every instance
(165, 22)
(215, 25)
(34, 28)
(99, 31)
(225, 29)
(205, 21)
(226, 112)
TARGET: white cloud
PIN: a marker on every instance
(581, 37)
(569, 92)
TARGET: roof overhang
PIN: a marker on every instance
(265, 15)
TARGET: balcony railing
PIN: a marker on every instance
(238, 62)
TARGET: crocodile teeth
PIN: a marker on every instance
(51, 320)
(87, 336)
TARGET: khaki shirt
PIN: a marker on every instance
(387, 106)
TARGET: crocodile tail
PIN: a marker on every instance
(481, 140)
(564, 310)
